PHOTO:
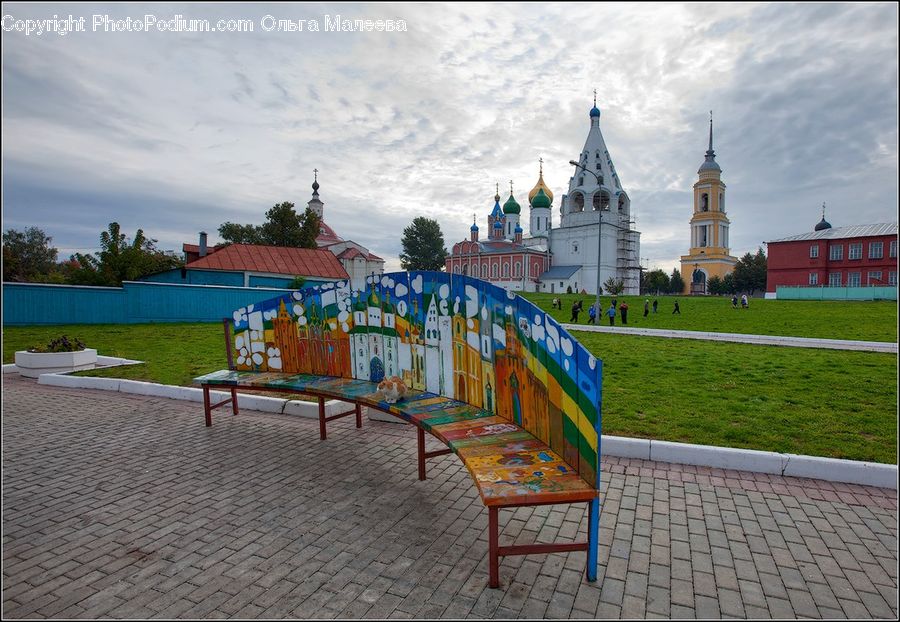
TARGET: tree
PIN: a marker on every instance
(657, 281)
(120, 260)
(614, 286)
(714, 285)
(423, 246)
(309, 230)
(28, 256)
(728, 284)
(283, 227)
(234, 233)
(676, 283)
(750, 272)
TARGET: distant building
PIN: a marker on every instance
(852, 256)
(709, 253)
(595, 225)
(357, 260)
(252, 265)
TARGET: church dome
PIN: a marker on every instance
(541, 199)
(511, 206)
(823, 224)
(518, 229)
(595, 112)
(540, 185)
(498, 224)
(474, 227)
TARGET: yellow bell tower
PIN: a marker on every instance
(708, 256)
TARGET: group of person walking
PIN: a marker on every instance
(595, 311)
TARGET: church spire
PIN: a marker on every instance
(710, 164)
(315, 203)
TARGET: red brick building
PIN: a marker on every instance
(854, 256)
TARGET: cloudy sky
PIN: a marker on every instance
(178, 132)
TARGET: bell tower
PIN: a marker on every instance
(708, 255)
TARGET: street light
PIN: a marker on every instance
(599, 231)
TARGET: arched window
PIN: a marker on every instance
(601, 200)
(484, 270)
(574, 246)
(704, 202)
(505, 270)
(496, 270)
(623, 204)
(456, 269)
(578, 201)
(475, 271)
(517, 270)
(721, 202)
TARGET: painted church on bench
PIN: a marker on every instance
(446, 334)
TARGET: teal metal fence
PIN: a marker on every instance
(836, 293)
(27, 304)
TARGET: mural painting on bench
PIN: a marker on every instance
(495, 378)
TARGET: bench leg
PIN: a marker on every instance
(593, 525)
(421, 436)
(207, 410)
(322, 418)
(234, 404)
(494, 545)
(358, 415)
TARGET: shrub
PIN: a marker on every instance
(61, 344)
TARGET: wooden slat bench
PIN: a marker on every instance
(514, 450)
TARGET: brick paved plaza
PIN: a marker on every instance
(124, 506)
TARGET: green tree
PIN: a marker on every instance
(423, 246)
(28, 256)
(676, 283)
(234, 233)
(714, 285)
(728, 284)
(309, 230)
(614, 286)
(750, 272)
(283, 227)
(657, 282)
(120, 260)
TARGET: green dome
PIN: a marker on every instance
(511, 207)
(540, 199)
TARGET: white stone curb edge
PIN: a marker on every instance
(788, 465)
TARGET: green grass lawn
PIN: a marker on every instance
(831, 403)
(829, 319)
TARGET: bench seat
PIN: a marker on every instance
(509, 465)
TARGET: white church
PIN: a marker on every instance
(596, 232)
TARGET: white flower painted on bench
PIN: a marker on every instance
(495, 428)
(274, 357)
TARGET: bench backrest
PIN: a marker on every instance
(448, 334)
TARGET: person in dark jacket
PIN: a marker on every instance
(623, 312)
(611, 312)
(677, 309)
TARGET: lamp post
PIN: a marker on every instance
(599, 231)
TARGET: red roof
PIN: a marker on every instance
(327, 235)
(273, 260)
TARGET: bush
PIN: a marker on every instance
(61, 344)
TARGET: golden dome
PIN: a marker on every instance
(540, 184)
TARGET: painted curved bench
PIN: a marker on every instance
(527, 427)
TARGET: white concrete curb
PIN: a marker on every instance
(769, 340)
(788, 465)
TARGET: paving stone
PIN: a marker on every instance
(202, 527)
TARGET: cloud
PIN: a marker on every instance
(178, 132)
